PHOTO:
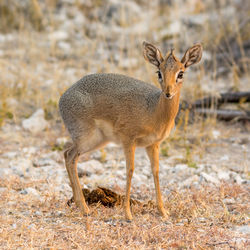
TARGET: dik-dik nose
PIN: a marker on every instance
(169, 91)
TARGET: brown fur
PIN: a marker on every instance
(101, 108)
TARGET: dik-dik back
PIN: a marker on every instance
(109, 96)
(101, 108)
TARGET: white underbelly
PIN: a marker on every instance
(107, 131)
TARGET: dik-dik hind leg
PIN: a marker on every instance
(71, 156)
(129, 150)
(153, 154)
(87, 142)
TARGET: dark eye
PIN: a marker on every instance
(180, 75)
(159, 75)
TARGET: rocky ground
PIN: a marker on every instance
(204, 165)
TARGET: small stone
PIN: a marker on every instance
(190, 181)
(243, 229)
(216, 134)
(20, 166)
(35, 123)
(30, 191)
(92, 166)
(223, 175)
(180, 167)
(64, 46)
(224, 158)
(229, 201)
(43, 162)
(128, 63)
(61, 140)
(30, 150)
(38, 213)
(238, 179)
(173, 29)
(31, 226)
(11, 154)
(209, 178)
(5, 173)
(59, 35)
(3, 189)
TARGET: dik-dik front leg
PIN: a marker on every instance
(153, 154)
(129, 151)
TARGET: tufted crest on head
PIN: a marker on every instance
(170, 60)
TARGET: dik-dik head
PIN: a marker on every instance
(170, 69)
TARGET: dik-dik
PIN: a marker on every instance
(103, 108)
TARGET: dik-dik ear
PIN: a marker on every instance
(152, 54)
(193, 55)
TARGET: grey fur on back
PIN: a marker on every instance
(107, 97)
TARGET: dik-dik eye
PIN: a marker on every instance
(180, 75)
(159, 75)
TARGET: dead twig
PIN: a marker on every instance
(210, 106)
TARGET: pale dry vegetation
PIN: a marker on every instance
(201, 218)
(45, 46)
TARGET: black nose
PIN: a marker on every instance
(168, 95)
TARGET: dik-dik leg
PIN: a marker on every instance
(71, 157)
(129, 151)
(153, 154)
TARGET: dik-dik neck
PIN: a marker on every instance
(167, 108)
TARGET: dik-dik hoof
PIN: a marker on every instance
(128, 216)
(83, 209)
(163, 212)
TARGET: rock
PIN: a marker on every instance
(36, 123)
(243, 229)
(30, 150)
(196, 20)
(190, 181)
(121, 13)
(5, 173)
(223, 175)
(38, 213)
(229, 201)
(59, 35)
(65, 187)
(3, 189)
(92, 166)
(216, 134)
(11, 154)
(224, 158)
(209, 178)
(20, 166)
(180, 167)
(6, 38)
(43, 162)
(173, 29)
(238, 179)
(30, 191)
(128, 63)
(66, 47)
(61, 140)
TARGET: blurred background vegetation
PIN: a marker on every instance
(47, 45)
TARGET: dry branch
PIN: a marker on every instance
(226, 115)
(209, 106)
(230, 97)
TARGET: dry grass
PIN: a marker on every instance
(199, 219)
(35, 71)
